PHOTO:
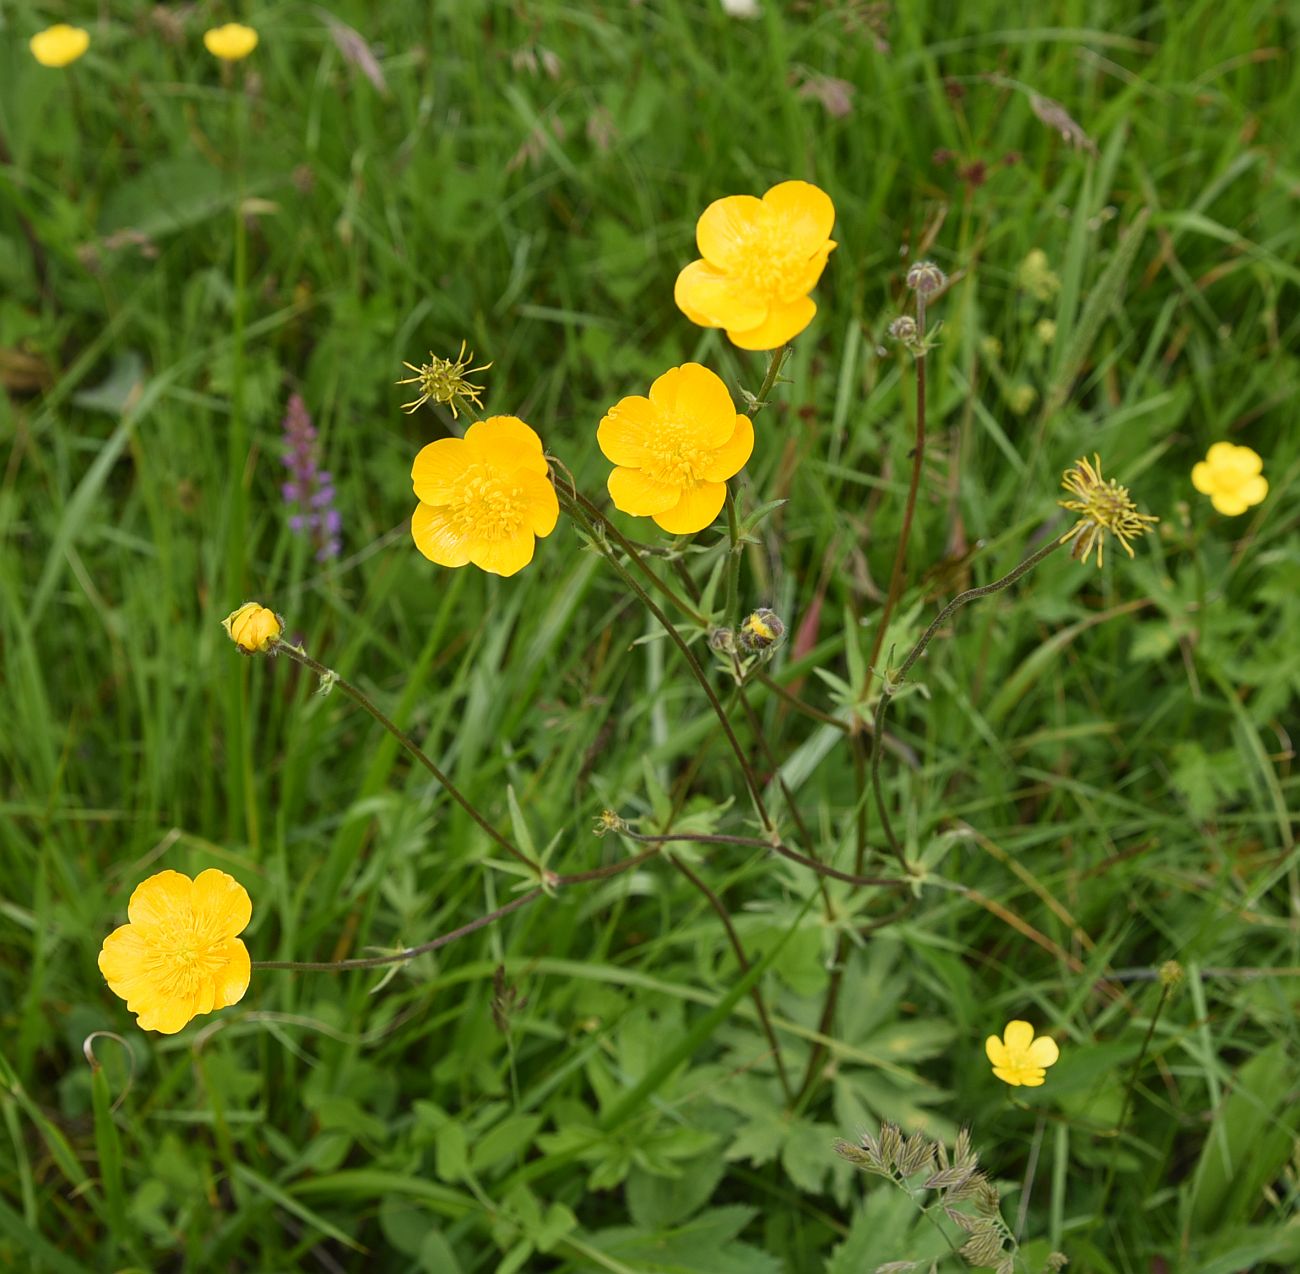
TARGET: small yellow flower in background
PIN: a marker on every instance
(1037, 277)
(1021, 397)
(1020, 1059)
(484, 498)
(442, 380)
(180, 956)
(253, 628)
(1232, 477)
(676, 449)
(1045, 330)
(59, 45)
(231, 42)
(760, 259)
(1106, 508)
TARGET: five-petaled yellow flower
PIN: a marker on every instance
(254, 628)
(676, 449)
(231, 42)
(1232, 477)
(59, 45)
(1018, 1057)
(759, 260)
(180, 956)
(484, 498)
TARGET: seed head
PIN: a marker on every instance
(443, 380)
(925, 279)
(1170, 974)
(1104, 507)
(903, 329)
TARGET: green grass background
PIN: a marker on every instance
(1103, 762)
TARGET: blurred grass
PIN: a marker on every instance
(1126, 793)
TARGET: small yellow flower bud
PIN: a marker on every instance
(761, 630)
(59, 45)
(253, 628)
(1170, 974)
(231, 42)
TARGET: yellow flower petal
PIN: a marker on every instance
(231, 42)
(711, 298)
(1043, 1052)
(1220, 455)
(733, 455)
(727, 228)
(438, 469)
(1254, 490)
(1203, 477)
(1031, 1079)
(1007, 1076)
(1018, 1036)
(505, 441)
(635, 492)
(162, 900)
(231, 983)
(803, 280)
(506, 556)
(699, 400)
(1229, 503)
(783, 323)
(698, 506)
(166, 1016)
(996, 1051)
(541, 505)
(59, 45)
(806, 215)
(123, 959)
(627, 430)
(221, 899)
(439, 535)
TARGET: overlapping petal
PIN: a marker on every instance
(699, 504)
(804, 213)
(636, 492)
(506, 443)
(440, 535)
(729, 459)
(783, 323)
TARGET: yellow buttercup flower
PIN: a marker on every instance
(1018, 1057)
(180, 956)
(1106, 508)
(231, 42)
(1232, 477)
(676, 449)
(759, 260)
(253, 628)
(59, 45)
(484, 498)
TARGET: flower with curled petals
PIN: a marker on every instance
(1232, 476)
(759, 260)
(484, 498)
(180, 956)
(676, 449)
(1020, 1059)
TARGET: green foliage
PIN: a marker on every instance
(1096, 769)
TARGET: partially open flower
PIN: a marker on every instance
(59, 45)
(1232, 477)
(760, 630)
(676, 449)
(231, 42)
(759, 260)
(180, 956)
(484, 498)
(1104, 507)
(253, 628)
(1020, 1059)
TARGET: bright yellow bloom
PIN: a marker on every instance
(760, 259)
(1105, 508)
(59, 45)
(1232, 477)
(484, 497)
(231, 42)
(442, 380)
(676, 449)
(1020, 1059)
(253, 628)
(180, 956)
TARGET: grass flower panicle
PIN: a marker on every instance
(443, 381)
(310, 490)
(759, 259)
(59, 45)
(1232, 477)
(180, 955)
(484, 498)
(1019, 1057)
(675, 450)
(231, 42)
(1105, 508)
(254, 628)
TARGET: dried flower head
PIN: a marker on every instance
(254, 628)
(230, 43)
(443, 381)
(1105, 508)
(180, 956)
(903, 329)
(1018, 1057)
(59, 45)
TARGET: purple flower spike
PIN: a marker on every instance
(310, 491)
